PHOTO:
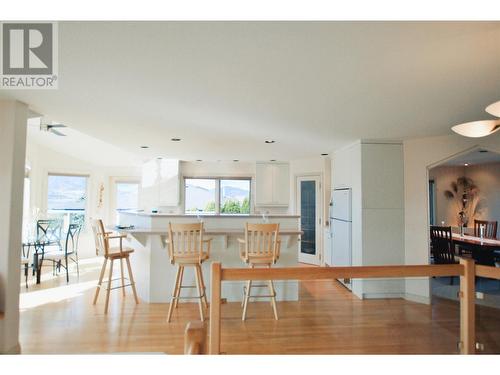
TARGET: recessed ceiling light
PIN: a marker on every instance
(235, 160)
(175, 139)
(144, 146)
(466, 164)
(477, 129)
(494, 109)
(269, 141)
(272, 160)
(199, 160)
(324, 154)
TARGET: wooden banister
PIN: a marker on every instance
(490, 272)
(195, 338)
(466, 270)
(324, 273)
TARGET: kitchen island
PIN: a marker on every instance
(155, 276)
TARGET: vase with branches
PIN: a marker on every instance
(465, 193)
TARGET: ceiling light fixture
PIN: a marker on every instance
(199, 160)
(477, 129)
(235, 160)
(466, 164)
(324, 154)
(272, 160)
(494, 109)
(269, 141)
(175, 139)
(144, 146)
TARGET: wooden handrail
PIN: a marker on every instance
(489, 272)
(324, 273)
(466, 270)
(195, 338)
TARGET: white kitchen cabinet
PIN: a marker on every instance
(272, 184)
(169, 182)
(160, 184)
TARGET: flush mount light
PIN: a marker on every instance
(477, 129)
(175, 139)
(269, 141)
(494, 109)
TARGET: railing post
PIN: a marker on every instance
(215, 294)
(467, 308)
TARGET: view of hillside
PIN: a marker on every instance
(201, 196)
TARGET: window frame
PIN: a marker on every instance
(87, 191)
(218, 180)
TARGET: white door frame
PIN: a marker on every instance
(307, 258)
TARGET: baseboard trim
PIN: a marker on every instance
(382, 295)
(16, 349)
(417, 298)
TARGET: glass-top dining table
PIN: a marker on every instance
(38, 247)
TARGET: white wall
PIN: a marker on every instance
(13, 122)
(43, 161)
(445, 210)
(419, 155)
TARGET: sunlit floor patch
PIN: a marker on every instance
(36, 298)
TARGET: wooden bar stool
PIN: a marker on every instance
(261, 247)
(186, 249)
(102, 238)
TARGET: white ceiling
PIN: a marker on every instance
(474, 158)
(225, 87)
(81, 146)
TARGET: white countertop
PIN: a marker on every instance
(160, 214)
(208, 232)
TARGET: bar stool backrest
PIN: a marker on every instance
(490, 228)
(101, 242)
(261, 240)
(185, 240)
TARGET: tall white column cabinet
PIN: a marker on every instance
(272, 184)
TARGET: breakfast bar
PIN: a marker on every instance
(155, 276)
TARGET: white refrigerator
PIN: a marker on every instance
(341, 229)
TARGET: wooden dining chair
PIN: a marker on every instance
(102, 244)
(188, 248)
(260, 248)
(443, 248)
(490, 228)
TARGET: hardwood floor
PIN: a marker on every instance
(60, 318)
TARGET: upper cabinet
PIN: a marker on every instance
(160, 184)
(272, 184)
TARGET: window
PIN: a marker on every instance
(234, 196)
(67, 197)
(200, 195)
(127, 196)
(217, 196)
